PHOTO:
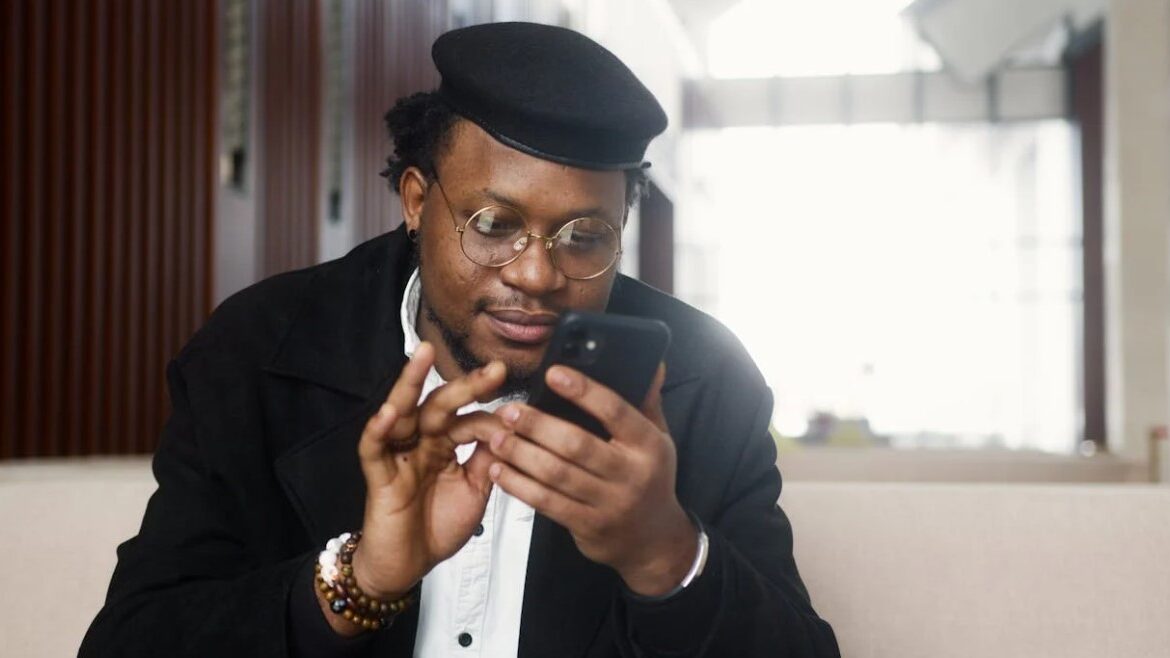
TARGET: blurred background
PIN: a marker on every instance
(939, 226)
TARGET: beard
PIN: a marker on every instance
(517, 381)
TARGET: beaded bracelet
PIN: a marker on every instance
(334, 577)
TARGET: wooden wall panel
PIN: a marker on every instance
(290, 107)
(1086, 96)
(392, 59)
(656, 240)
(108, 123)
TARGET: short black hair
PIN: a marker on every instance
(420, 127)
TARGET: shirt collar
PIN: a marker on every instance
(409, 314)
(411, 301)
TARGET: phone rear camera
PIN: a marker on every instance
(571, 350)
(591, 345)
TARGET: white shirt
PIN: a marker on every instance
(479, 591)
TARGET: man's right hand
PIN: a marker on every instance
(421, 505)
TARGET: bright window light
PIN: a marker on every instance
(921, 282)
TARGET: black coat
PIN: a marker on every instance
(257, 468)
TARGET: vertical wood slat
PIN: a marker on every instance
(91, 398)
(77, 255)
(290, 126)
(133, 141)
(656, 240)
(136, 143)
(108, 173)
(167, 106)
(113, 358)
(204, 148)
(11, 232)
(29, 370)
(1086, 86)
(148, 246)
(53, 275)
(392, 59)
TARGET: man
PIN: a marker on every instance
(384, 392)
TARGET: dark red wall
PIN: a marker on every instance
(108, 121)
(289, 125)
(392, 58)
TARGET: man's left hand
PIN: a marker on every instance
(615, 497)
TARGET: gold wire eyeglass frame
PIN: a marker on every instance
(548, 240)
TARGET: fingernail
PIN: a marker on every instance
(494, 471)
(385, 410)
(510, 414)
(498, 440)
(559, 378)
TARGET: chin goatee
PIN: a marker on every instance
(516, 382)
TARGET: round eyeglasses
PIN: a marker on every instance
(493, 236)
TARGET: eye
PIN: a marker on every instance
(586, 235)
(581, 239)
(497, 223)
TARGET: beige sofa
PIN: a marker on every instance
(901, 570)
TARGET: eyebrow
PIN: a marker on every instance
(594, 211)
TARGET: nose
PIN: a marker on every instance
(533, 273)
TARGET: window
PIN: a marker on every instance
(902, 284)
(910, 285)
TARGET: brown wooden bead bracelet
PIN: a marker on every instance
(334, 577)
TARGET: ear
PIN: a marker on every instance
(412, 190)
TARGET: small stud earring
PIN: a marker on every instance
(412, 234)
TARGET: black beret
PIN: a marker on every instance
(549, 92)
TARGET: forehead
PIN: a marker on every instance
(474, 163)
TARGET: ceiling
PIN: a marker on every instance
(974, 38)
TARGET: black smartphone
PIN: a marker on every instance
(618, 351)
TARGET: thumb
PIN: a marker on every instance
(652, 406)
(477, 469)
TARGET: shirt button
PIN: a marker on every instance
(465, 639)
(478, 532)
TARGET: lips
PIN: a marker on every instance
(521, 326)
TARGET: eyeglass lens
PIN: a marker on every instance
(582, 248)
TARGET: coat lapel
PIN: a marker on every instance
(567, 597)
(335, 364)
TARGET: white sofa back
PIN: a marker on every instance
(934, 570)
(900, 570)
(63, 520)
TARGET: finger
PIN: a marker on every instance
(547, 468)
(436, 452)
(409, 387)
(560, 508)
(477, 470)
(652, 406)
(441, 405)
(619, 417)
(476, 426)
(371, 447)
(564, 439)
